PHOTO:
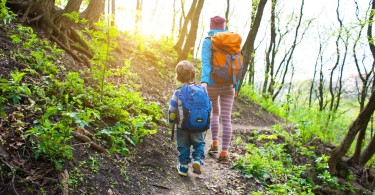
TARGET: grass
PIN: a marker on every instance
(272, 163)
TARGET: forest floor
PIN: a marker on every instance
(151, 166)
(155, 159)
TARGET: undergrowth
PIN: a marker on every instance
(271, 162)
(63, 101)
(310, 122)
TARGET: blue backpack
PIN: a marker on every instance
(196, 107)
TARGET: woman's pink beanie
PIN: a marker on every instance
(217, 22)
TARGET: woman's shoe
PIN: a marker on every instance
(213, 150)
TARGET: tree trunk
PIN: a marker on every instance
(184, 31)
(334, 90)
(321, 85)
(37, 10)
(360, 123)
(138, 16)
(343, 62)
(227, 15)
(368, 152)
(180, 23)
(289, 55)
(56, 26)
(173, 21)
(113, 11)
(358, 148)
(315, 72)
(355, 159)
(248, 47)
(192, 35)
(270, 54)
(94, 11)
(63, 22)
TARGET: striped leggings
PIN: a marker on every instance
(222, 97)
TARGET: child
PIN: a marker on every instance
(185, 73)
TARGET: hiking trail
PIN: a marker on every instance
(217, 178)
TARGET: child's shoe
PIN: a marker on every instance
(197, 165)
(182, 169)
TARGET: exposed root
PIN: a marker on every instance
(26, 14)
(57, 27)
(35, 19)
(86, 139)
(75, 57)
(64, 179)
(13, 174)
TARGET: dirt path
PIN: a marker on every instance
(217, 178)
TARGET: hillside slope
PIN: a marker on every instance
(150, 168)
(156, 157)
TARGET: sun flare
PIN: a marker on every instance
(155, 21)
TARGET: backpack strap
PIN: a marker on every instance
(233, 70)
(179, 89)
(172, 136)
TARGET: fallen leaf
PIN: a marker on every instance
(3, 153)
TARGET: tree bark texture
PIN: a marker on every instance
(113, 12)
(184, 31)
(138, 16)
(270, 54)
(311, 92)
(57, 27)
(365, 78)
(360, 123)
(343, 62)
(368, 152)
(63, 22)
(321, 87)
(192, 35)
(248, 47)
(94, 11)
(173, 20)
(289, 55)
(333, 89)
(227, 15)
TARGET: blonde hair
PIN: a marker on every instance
(185, 72)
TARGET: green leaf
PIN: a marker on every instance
(106, 131)
(129, 140)
(26, 90)
(71, 114)
(97, 115)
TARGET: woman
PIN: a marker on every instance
(221, 95)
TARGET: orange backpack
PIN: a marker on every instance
(226, 58)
